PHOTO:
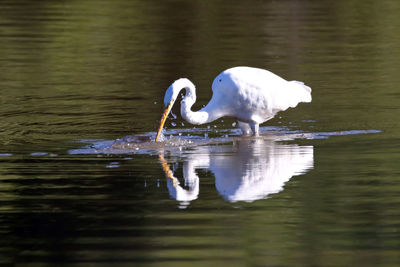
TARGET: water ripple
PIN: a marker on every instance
(177, 139)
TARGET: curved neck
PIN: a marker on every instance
(199, 117)
(205, 115)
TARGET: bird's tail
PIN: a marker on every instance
(294, 93)
(302, 91)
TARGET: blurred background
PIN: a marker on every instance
(98, 70)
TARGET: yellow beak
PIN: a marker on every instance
(167, 171)
(164, 118)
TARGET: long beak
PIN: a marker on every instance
(164, 118)
(167, 171)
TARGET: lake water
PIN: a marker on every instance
(82, 81)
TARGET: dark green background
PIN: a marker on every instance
(73, 70)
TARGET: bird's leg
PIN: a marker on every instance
(245, 127)
(254, 127)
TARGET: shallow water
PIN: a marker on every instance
(82, 86)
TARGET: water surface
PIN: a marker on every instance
(79, 80)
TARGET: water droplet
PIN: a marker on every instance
(179, 134)
(173, 124)
(182, 124)
(155, 102)
(208, 127)
(234, 124)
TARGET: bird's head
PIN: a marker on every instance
(169, 99)
(170, 95)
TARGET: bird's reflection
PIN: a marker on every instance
(175, 189)
(248, 170)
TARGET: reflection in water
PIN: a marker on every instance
(175, 190)
(247, 170)
(251, 169)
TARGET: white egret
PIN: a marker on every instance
(251, 95)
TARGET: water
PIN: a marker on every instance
(81, 81)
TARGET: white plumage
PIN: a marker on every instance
(251, 95)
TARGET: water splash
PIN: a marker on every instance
(173, 140)
(173, 115)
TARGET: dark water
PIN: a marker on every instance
(80, 79)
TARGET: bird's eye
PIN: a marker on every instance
(220, 80)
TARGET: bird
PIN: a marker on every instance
(251, 95)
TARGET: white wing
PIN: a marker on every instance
(256, 94)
